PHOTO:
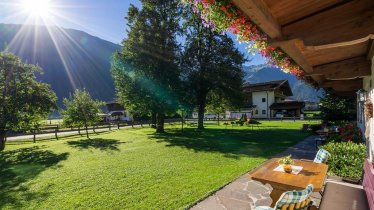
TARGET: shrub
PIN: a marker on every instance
(346, 159)
(347, 132)
(315, 127)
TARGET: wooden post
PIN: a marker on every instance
(87, 131)
(56, 130)
(34, 133)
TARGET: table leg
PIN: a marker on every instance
(275, 195)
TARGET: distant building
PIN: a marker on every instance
(116, 112)
(265, 100)
(311, 106)
(268, 100)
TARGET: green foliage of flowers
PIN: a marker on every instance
(347, 159)
(287, 160)
(348, 131)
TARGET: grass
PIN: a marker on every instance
(134, 168)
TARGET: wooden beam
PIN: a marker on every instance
(259, 13)
(348, 94)
(323, 54)
(343, 70)
(371, 50)
(293, 48)
(344, 85)
(351, 21)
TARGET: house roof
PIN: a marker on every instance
(282, 85)
(288, 105)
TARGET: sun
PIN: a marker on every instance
(37, 8)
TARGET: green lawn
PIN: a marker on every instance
(134, 168)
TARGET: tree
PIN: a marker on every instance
(217, 104)
(210, 62)
(145, 71)
(23, 100)
(81, 110)
(336, 108)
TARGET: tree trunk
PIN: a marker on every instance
(160, 123)
(86, 131)
(153, 120)
(200, 122)
(2, 140)
(218, 119)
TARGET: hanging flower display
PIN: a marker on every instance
(368, 109)
(224, 16)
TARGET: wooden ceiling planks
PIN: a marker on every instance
(288, 11)
(352, 68)
(328, 54)
(351, 21)
(329, 39)
(344, 85)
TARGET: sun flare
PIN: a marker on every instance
(37, 8)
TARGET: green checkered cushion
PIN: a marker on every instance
(322, 156)
(289, 198)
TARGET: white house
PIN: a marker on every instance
(116, 112)
(269, 100)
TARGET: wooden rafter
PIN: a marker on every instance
(293, 49)
(343, 70)
(351, 21)
(331, 40)
(318, 55)
(290, 11)
(258, 12)
(343, 85)
(371, 50)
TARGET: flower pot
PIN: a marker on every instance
(287, 168)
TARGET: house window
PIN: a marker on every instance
(263, 99)
(256, 111)
(263, 111)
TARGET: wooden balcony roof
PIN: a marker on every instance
(331, 40)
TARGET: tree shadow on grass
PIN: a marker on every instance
(233, 143)
(97, 143)
(19, 166)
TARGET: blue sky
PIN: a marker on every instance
(101, 18)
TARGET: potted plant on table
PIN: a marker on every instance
(286, 162)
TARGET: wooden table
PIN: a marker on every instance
(312, 173)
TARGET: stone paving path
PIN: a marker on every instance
(244, 193)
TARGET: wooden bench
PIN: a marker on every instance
(341, 196)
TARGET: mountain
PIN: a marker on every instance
(265, 73)
(70, 58)
(74, 59)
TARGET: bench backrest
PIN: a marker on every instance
(368, 182)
